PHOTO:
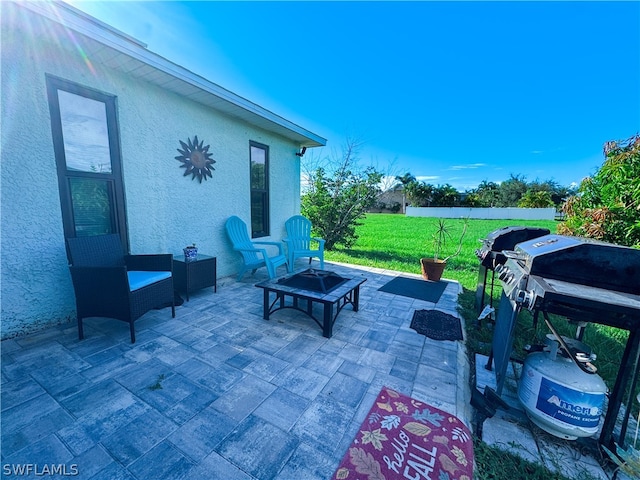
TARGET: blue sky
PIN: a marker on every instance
(452, 92)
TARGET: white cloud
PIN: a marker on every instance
(468, 166)
(387, 182)
(427, 178)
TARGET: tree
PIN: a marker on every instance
(557, 193)
(488, 193)
(484, 195)
(420, 194)
(335, 200)
(445, 196)
(607, 206)
(511, 191)
(515, 191)
(536, 199)
(406, 179)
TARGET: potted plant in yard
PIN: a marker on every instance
(432, 267)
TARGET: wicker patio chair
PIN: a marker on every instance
(299, 241)
(110, 284)
(253, 257)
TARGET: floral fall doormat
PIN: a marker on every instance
(403, 438)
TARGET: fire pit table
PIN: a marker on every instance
(312, 286)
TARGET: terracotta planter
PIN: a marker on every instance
(432, 269)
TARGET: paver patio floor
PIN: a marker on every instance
(218, 392)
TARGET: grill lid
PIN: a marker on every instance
(505, 238)
(582, 261)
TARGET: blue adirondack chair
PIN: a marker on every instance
(299, 241)
(253, 257)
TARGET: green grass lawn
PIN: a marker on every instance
(397, 242)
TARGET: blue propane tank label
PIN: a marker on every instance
(570, 406)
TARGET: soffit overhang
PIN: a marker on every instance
(102, 43)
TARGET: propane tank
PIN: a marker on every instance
(557, 395)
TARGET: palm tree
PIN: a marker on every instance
(405, 180)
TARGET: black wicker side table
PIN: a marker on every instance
(195, 274)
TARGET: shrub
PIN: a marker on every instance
(607, 206)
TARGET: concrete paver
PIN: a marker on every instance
(218, 392)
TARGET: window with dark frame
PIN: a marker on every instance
(87, 150)
(259, 157)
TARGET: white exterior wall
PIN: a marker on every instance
(165, 211)
(483, 213)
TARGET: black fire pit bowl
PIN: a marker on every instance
(321, 281)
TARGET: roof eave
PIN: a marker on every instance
(215, 96)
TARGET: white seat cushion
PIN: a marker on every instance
(138, 279)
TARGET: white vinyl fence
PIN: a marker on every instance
(484, 213)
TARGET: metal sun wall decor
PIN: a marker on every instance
(196, 159)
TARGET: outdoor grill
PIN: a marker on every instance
(585, 281)
(490, 255)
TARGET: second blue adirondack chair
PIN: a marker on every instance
(253, 256)
(299, 241)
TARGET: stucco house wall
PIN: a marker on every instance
(165, 210)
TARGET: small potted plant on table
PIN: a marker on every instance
(432, 267)
(190, 253)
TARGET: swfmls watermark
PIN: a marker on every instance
(39, 470)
